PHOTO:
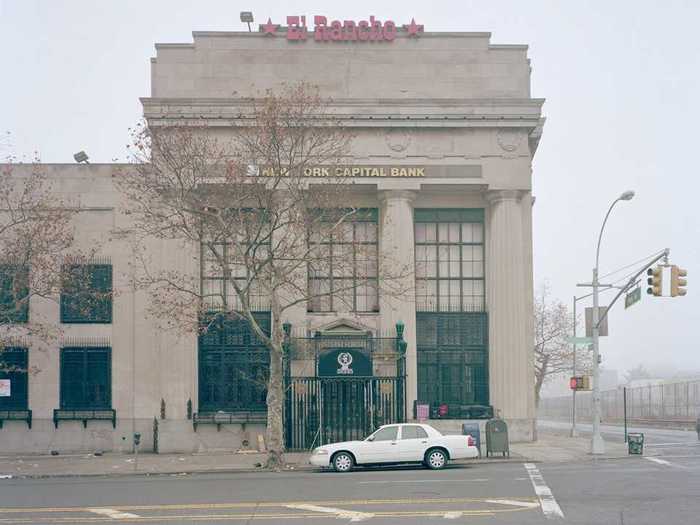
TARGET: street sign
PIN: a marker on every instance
(580, 341)
(633, 297)
(603, 328)
(5, 388)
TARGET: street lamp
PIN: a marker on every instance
(597, 443)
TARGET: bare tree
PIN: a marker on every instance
(257, 206)
(38, 258)
(553, 353)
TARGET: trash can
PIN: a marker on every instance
(635, 443)
(497, 437)
(473, 430)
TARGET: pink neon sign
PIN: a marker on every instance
(371, 30)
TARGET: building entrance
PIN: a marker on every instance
(359, 385)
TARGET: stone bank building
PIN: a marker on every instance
(445, 134)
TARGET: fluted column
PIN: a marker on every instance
(397, 285)
(510, 365)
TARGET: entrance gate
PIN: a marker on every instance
(325, 410)
(359, 385)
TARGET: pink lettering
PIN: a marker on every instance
(336, 31)
(389, 30)
(362, 30)
(349, 30)
(295, 30)
(320, 28)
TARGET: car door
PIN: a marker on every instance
(382, 446)
(413, 443)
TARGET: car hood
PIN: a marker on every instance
(339, 446)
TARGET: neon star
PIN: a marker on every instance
(270, 28)
(413, 28)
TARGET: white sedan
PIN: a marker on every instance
(406, 443)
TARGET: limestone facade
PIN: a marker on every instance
(452, 104)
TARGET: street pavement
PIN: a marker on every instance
(571, 487)
(631, 490)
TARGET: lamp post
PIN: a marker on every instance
(597, 443)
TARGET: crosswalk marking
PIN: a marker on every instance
(550, 507)
(516, 503)
(114, 514)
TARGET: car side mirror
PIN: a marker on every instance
(371, 438)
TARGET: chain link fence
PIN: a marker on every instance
(668, 403)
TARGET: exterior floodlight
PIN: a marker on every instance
(81, 157)
(627, 196)
(247, 17)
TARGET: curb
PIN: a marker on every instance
(229, 470)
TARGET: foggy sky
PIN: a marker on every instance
(621, 80)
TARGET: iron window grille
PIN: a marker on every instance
(452, 353)
(14, 366)
(14, 293)
(343, 273)
(449, 260)
(234, 366)
(86, 378)
(86, 297)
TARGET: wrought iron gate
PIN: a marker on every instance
(326, 410)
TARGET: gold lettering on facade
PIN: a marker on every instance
(350, 171)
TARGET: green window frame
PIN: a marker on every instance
(14, 366)
(452, 354)
(86, 378)
(14, 294)
(449, 259)
(234, 366)
(344, 274)
(86, 295)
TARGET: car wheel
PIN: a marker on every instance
(436, 459)
(343, 462)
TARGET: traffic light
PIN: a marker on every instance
(654, 281)
(580, 383)
(677, 282)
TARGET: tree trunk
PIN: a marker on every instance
(275, 392)
(275, 408)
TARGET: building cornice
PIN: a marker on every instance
(494, 112)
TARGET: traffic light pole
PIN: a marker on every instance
(574, 432)
(597, 443)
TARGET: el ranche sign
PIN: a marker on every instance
(371, 30)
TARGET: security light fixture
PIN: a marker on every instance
(81, 157)
(627, 196)
(247, 16)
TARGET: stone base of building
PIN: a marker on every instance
(73, 437)
(173, 436)
(179, 436)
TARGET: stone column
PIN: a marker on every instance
(397, 279)
(510, 365)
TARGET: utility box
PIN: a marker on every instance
(497, 438)
(635, 443)
(473, 430)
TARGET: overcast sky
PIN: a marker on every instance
(621, 80)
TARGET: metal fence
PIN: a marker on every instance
(663, 403)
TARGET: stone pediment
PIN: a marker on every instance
(344, 327)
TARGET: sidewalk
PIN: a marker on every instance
(550, 447)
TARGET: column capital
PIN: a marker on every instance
(495, 196)
(404, 195)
